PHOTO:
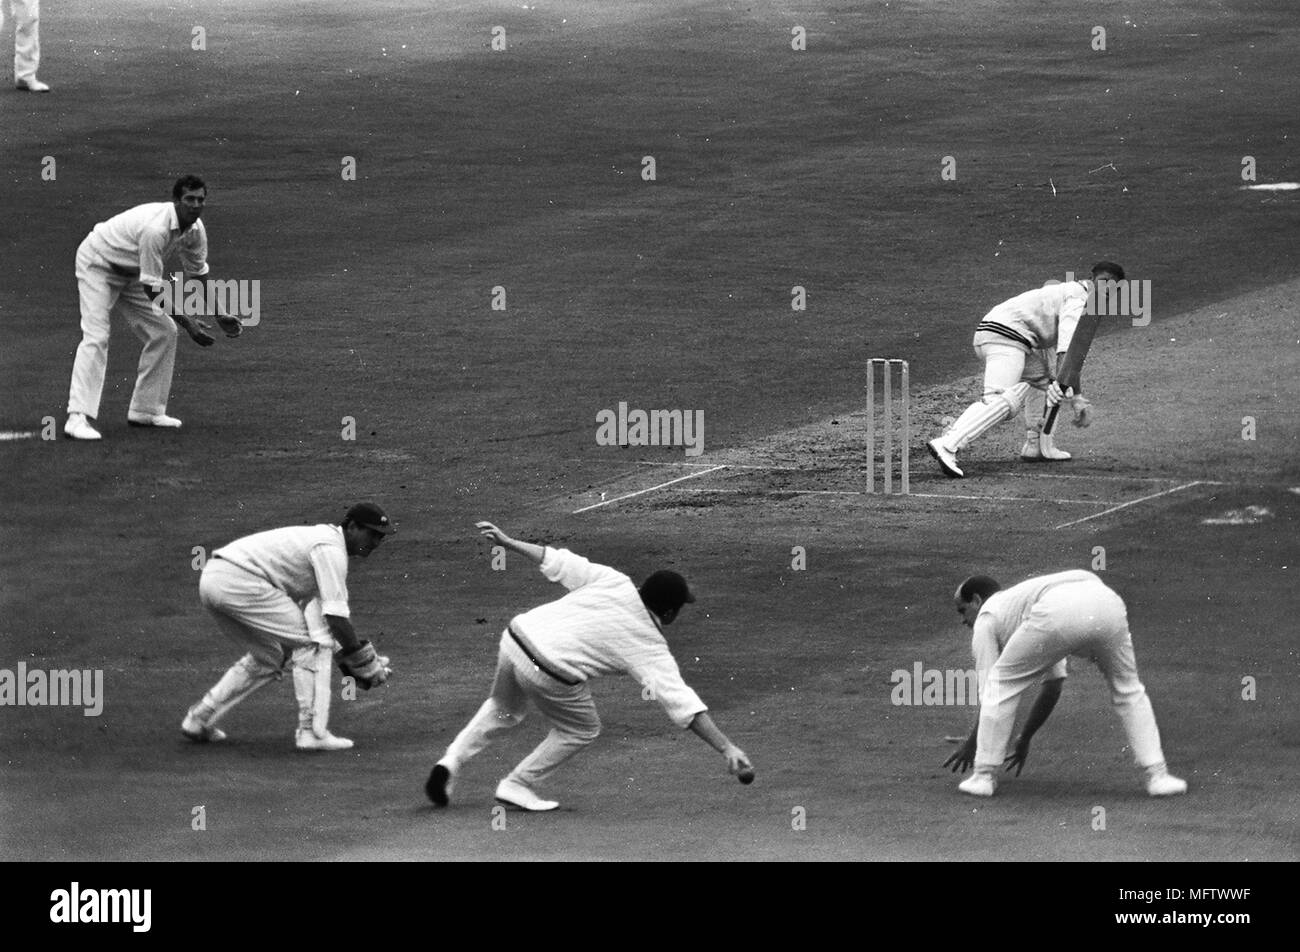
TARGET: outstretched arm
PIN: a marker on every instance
(963, 758)
(1044, 704)
(702, 725)
(529, 549)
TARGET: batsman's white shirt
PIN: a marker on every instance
(1042, 318)
(304, 562)
(602, 627)
(141, 239)
(1003, 612)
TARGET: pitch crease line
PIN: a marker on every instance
(1098, 515)
(642, 492)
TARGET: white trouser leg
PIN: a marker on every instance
(569, 709)
(572, 712)
(311, 685)
(1003, 366)
(983, 416)
(501, 712)
(312, 671)
(1038, 372)
(263, 620)
(1114, 656)
(99, 290)
(158, 333)
(27, 37)
(247, 675)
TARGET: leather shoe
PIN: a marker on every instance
(515, 794)
(78, 428)
(153, 419)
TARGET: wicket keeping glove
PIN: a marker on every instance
(365, 665)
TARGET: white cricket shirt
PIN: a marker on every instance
(1042, 318)
(141, 239)
(1003, 612)
(602, 627)
(302, 561)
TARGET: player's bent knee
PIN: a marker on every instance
(258, 665)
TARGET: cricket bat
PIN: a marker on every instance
(1072, 365)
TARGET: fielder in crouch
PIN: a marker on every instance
(282, 594)
(604, 625)
(1016, 340)
(1023, 635)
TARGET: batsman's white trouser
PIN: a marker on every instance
(1080, 618)
(27, 36)
(102, 291)
(1005, 366)
(570, 710)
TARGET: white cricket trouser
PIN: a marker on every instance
(258, 616)
(102, 291)
(1005, 365)
(1084, 618)
(27, 36)
(569, 709)
(273, 629)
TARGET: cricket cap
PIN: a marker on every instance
(369, 515)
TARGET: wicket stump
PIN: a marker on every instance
(888, 366)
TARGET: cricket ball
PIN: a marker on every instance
(745, 776)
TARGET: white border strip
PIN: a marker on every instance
(642, 492)
(1107, 512)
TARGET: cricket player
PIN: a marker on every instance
(604, 625)
(1023, 635)
(27, 43)
(1016, 341)
(120, 266)
(282, 595)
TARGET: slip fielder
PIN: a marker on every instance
(1016, 341)
(1023, 635)
(120, 267)
(282, 596)
(604, 625)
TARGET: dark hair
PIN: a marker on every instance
(665, 591)
(980, 585)
(188, 183)
(1108, 266)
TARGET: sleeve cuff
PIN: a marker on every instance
(337, 609)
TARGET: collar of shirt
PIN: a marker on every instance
(173, 223)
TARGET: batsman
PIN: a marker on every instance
(1017, 341)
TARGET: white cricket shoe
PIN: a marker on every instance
(946, 458)
(515, 794)
(1164, 784)
(979, 784)
(1041, 447)
(153, 419)
(32, 85)
(200, 733)
(307, 740)
(78, 428)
